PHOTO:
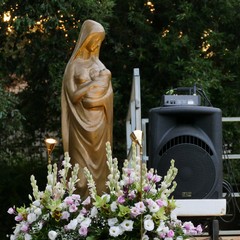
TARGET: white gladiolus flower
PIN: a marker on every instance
(148, 224)
(52, 235)
(127, 225)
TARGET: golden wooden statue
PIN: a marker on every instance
(87, 107)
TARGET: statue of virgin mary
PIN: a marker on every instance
(87, 107)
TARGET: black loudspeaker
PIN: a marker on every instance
(192, 136)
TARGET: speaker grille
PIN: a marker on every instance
(185, 139)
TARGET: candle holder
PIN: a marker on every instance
(50, 144)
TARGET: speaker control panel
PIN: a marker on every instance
(181, 100)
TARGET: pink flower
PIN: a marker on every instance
(24, 228)
(132, 195)
(149, 175)
(73, 208)
(65, 215)
(188, 226)
(199, 229)
(150, 202)
(19, 218)
(156, 178)
(160, 202)
(83, 211)
(162, 235)
(121, 199)
(76, 197)
(135, 212)
(68, 200)
(128, 171)
(11, 211)
(129, 181)
(170, 233)
(83, 231)
(86, 201)
(146, 188)
(140, 206)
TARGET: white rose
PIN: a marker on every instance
(148, 224)
(52, 235)
(127, 225)
(115, 231)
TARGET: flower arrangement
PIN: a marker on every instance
(137, 206)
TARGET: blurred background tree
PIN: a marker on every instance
(173, 42)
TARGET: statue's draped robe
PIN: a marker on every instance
(85, 131)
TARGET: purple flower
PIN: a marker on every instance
(170, 233)
(128, 171)
(132, 195)
(83, 211)
(76, 197)
(19, 218)
(83, 231)
(24, 228)
(69, 200)
(146, 188)
(156, 178)
(149, 175)
(188, 226)
(11, 211)
(86, 201)
(73, 208)
(162, 235)
(65, 215)
(160, 202)
(121, 199)
(199, 229)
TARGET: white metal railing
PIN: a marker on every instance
(133, 121)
